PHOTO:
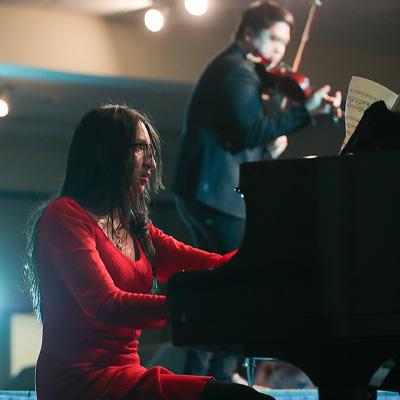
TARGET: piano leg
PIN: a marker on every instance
(335, 392)
(250, 365)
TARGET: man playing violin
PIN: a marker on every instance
(226, 124)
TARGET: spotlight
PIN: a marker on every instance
(3, 108)
(196, 7)
(154, 20)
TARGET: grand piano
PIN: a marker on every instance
(316, 281)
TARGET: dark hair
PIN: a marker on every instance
(99, 177)
(262, 15)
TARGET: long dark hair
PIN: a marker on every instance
(99, 176)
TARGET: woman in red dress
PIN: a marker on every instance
(93, 261)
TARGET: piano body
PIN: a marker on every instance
(316, 281)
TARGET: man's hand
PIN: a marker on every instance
(321, 102)
(277, 147)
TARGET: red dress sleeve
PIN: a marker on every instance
(173, 256)
(66, 238)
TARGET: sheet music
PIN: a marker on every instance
(361, 94)
(396, 105)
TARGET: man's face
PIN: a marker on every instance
(271, 43)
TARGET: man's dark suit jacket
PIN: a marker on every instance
(226, 125)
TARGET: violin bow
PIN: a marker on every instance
(306, 35)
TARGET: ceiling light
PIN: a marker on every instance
(154, 20)
(3, 108)
(196, 7)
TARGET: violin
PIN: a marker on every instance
(281, 79)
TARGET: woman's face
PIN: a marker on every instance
(271, 43)
(143, 159)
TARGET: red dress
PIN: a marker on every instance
(95, 302)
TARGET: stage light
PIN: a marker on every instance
(3, 108)
(196, 7)
(154, 20)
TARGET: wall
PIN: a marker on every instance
(84, 44)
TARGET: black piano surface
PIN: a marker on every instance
(316, 281)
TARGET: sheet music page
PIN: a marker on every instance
(361, 94)
(396, 105)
